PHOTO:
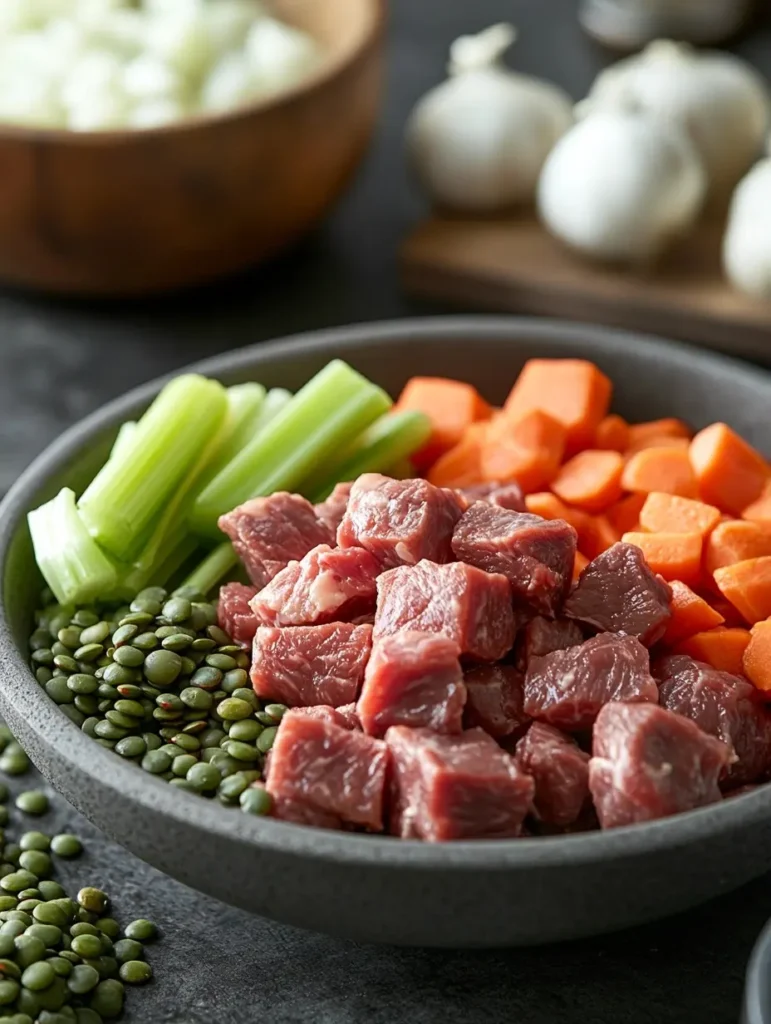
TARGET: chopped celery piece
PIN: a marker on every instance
(390, 439)
(332, 408)
(125, 434)
(157, 574)
(245, 403)
(72, 563)
(127, 494)
(275, 400)
(213, 568)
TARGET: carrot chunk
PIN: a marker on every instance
(548, 506)
(575, 392)
(657, 442)
(736, 541)
(624, 516)
(721, 648)
(595, 535)
(461, 466)
(612, 434)
(676, 556)
(757, 656)
(580, 563)
(730, 473)
(747, 585)
(451, 406)
(760, 509)
(690, 614)
(528, 451)
(660, 469)
(590, 480)
(656, 429)
(669, 513)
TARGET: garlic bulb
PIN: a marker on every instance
(747, 241)
(477, 142)
(719, 99)
(620, 186)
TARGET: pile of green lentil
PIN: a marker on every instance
(62, 960)
(161, 684)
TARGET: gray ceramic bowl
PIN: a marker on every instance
(378, 889)
(757, 989)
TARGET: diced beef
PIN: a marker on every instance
(568, 688)
(333, 770)
(618, 592)
(535, 555)
(454, 787)
(331, 511)
(543, 636)
(309, 665)
(269, 533)
(725, 706)
(326, 713)
(469, 606)
(349, 716)
(560, 770)
(234, 614)
(504, 495)
(413, 679)
(326, 585)
(400, 521)
(494, 699)
(650, 763)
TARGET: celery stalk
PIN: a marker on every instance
(125, 434)
(335, 406)
(157, 573)
(72, 563)
(128, 493)
(387, 441)
(217, 564)
(245, 404)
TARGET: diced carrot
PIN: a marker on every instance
(612, 434)
(595, 535)
(580, 563)
(730, 473)
(760, 509)
(528, 451)
(461, 465)
(668, 427)
(731, 615)
(548, 506)
(451, 406)
(624, 516)
(735, 541)
(721, 648)
(676, 556)
(573, 391)
(590, 480)
(756, 662)
(660, 469)
(657, 442)
(747, 585)
(690, 614)
(669, 513)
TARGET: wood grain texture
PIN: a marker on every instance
(514, 265)
(132, 212)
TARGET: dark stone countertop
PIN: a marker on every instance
(217, 965)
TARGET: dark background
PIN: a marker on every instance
(59, 360)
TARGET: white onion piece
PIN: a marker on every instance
(155, 113)
(147, 78)
(230, 84)
(279, 54)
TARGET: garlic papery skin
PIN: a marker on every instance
(747, 241)
(477, 142)
(621, 187)
(723, 103)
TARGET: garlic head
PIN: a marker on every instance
(747, 241)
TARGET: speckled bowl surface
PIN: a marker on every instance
(375, 888)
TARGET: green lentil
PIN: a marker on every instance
(125, 722)
(162, 667)
(28, 950)
(84, 928)
(48, 934)
(92, 900)
(109, 927)
(36, 861)
(85, 1015)
(66, 845)
(131, 746)
(128, 949)
(136, 972)
(247, 730)
(12, 852)
(51, 913)
(33, 801)
(152, 741)
(207, 678)
(9, 990)
(7, 903)
(266, 738)
(89, 652)
(50, 890)
(38, 976)
(127, 657)
(202, 777)
(232, 709)
(276, 711)
(156, 762)
(87, 946)
(256, 800)
(58, 691)
(83, 979)
(17, 881)
(141, 930)
(107, 999)
(82, 683)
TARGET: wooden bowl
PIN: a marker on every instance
(131, 212)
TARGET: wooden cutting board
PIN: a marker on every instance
(514, 265)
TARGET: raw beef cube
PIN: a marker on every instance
(337, 716)
(298, 812)
(649, 763)
(309, 665)
(725, 706)
(269, 533)
(543, 636)
(400, 521)
(560, 770)
(494, 699)
(618, 592)
(326, 585)
(349, 716)
(535, 555)
(331, 511)
(454, 787)
(413, 679)
(469, 606)
(504, 495)
(234, 614)
(568, 688)
(333, 770)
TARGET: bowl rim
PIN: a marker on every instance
(327, 71)
(149, 794)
